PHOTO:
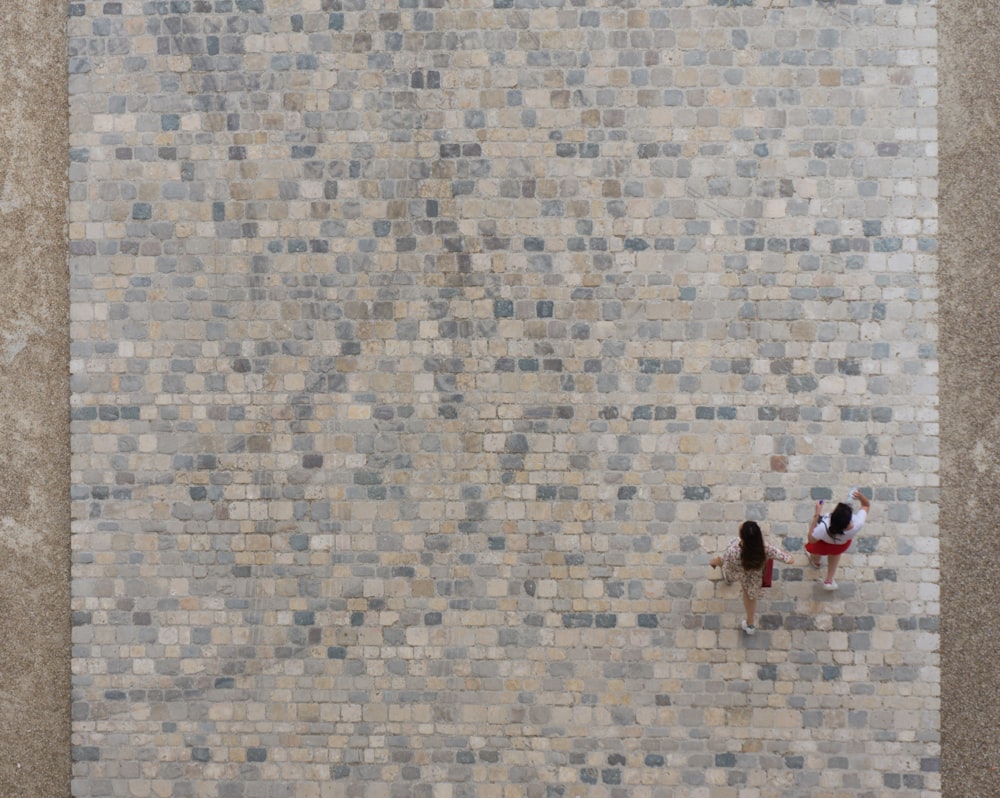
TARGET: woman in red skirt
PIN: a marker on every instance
(831, 535)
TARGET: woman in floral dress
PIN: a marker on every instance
(743, 561)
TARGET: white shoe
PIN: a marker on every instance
(748, 628)
(829, 584)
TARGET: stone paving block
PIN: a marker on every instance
(423, 356)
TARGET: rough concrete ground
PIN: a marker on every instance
(969, 41)
(34, 403)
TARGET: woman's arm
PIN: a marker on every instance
(863, 500)
(776, 553)
(732, 549)
(816, 514)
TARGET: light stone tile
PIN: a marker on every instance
(460, 339)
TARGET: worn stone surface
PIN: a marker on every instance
(34, 404)
(423, 355)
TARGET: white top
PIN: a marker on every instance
(821, 530)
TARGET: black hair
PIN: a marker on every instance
(840, 519)
(752, 554)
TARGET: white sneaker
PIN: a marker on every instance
(829, 584)
(748, 628)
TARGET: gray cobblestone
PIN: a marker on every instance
(423, 356)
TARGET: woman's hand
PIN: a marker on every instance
(715, 562)
(865, 504)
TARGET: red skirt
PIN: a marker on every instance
(822, 547)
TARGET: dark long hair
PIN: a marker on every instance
(752, 554)
(840, 519)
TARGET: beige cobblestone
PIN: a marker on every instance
(463, 464)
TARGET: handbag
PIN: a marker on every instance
(765, 578)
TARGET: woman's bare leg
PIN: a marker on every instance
(832, 561)
(750, 605)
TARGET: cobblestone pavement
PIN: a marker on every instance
(424, 353)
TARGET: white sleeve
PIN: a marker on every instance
(858, 521)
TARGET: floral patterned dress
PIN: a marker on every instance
(732, 568)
